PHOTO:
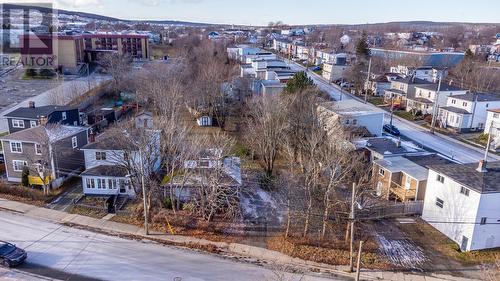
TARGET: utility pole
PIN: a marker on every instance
(435, 109)
(368, 78)
(358, 265)
(146, 226)
(392, 108)
(351, 219)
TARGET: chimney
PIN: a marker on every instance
(31, 104)
(482, 166)
(91, 136)
(43, 120)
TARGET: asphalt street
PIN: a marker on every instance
(66, 253)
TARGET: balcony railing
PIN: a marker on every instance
(403, 193)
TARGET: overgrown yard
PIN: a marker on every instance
(444, 254)
(334, 253)
(28, 195)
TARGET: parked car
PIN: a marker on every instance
(391, 129)
(316, 68)
(10, 255)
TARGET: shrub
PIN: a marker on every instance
(266, 182)
(241, 151)
(24, 176)
(167, 203)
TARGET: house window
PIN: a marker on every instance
(101, 183)
(453, 101)
(354, 122)
(17, 123)
(440, 178)
(381, 172)
(32, 124)
(38, 149)
(112, 184)
(483, 220)
(439, 202)
(100, 155)
(465, 191)
(74, 142)
(16, 147)
(464, 103)
(495, 115)
(90, 183)
(18, 165)
(64, 116)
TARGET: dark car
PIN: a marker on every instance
(10, 255)
(391, 129)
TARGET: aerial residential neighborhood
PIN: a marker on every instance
(265, 140)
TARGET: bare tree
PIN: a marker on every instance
(265, 129)
(215, 195)
(119, 67)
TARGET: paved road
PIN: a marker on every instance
(443, 145)
(66, 253)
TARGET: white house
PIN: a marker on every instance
(351, 114)
(332, 72)
(492, 127)
(110, 164)
(461, 201)
(426, 95)
(467, 112)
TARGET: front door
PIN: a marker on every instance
(465, 242)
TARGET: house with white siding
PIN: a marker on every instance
(426, 96)
(492, 127)
(468, 112)
(461, 201)
(111, 162)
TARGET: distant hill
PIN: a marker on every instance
(91, 16)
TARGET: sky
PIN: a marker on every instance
(293, 12)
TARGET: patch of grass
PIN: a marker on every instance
(88, 212)
(336, 254)
(376, 100)
(405, 115)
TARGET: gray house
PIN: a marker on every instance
(53, 147)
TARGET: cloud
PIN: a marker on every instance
(79, 3)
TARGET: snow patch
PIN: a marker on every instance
(402, 252)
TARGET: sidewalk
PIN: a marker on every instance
(115, 228)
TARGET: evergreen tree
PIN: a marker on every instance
(299, 82)
(24, 176)
(362, 49)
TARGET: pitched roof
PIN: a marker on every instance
(412, 80)
(106, 170)
(478, 96)
(466, 174)
(39, 133)
(36, 112)
(455, 110)
(444, 87)
(428, 160)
